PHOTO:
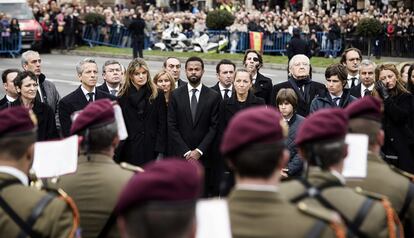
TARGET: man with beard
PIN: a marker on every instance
(192, 120)
(300, 81)
(262, 86)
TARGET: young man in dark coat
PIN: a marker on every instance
(262, 85)
(300, 81)
(193, 119)
(136, 28)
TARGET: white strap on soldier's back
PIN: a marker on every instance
(213, 219)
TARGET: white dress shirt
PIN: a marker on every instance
(222, 90)
(190, 91)
(85, 92)
(349, 81)
(370, 88)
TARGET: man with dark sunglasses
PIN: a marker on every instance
(262, 85)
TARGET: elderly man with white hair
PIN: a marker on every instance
(300, 81)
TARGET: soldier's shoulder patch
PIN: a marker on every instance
(319, 213)
(369, 194)
(130, 167)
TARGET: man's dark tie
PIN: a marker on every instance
(90, 95)
(336, 101)
(113, 92)
(353, 83)
(193, 103)
(226, 93)
(367, 92)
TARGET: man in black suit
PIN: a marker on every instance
(301, 83)
(136, 28)
(193, 119)
(8, 77)
(225, 70)
(87, 71)
(262, 85)
(351, 59)
(173, 66)
(367, 77)
(112, 75)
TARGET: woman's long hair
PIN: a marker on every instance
(133, 65)
(399, 86)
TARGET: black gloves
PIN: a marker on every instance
(381, 89)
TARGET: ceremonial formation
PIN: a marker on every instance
(150, 149)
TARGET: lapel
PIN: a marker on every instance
(81, 101)
(296, 89)
(258, 83)
(185, 100)
(201, 103)
(104, 88)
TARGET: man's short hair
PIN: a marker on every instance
(25, 56)
(368, 127)
(257, 160)
(367, 62)
(324, 154)
(7, 72)
(224, 61)
(15, 147)
(337, 70)
(343, 56)
(289, 95)
(110, 62)
(194, 58)
(79, 65)
(101, 138)
(160, 220)
(296, 57)
(165, 61)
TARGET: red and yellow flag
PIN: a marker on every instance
(256, 40)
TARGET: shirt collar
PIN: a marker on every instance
(332, 96)
(111, 88)
(370, 87)
(257, 187)
(10, 99)
(189, 87)
(350, 77)
(85, 92)
(223, 88)
(15, 173)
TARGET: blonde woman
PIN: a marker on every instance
(398, 117)
(165, 82)
(145, 114)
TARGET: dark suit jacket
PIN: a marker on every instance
(181, 83)
(73, 102)
(356, 91)
(263, 88)
(46, 124)
(217, 89)
(183, 134)
(311, 91)
(3, 102)
(103, 87)
(146, 123)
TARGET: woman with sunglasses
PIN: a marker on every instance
(398, 117)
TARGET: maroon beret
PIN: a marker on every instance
(95, 114)
(325, 124)
(167, 180)
(15, 120)
(253, 125)
(367, 107)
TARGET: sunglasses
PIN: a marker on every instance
(255, 59)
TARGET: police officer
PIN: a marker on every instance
(365, 118)
(253, 145)
(160, 202)
(98, 180)
(26, 211)
(321, 142)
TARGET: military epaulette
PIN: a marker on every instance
(403, 173)
(131, 167)
(370, 194)
(320, 213)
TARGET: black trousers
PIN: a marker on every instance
(138, 47)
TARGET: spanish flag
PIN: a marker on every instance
(256, 40)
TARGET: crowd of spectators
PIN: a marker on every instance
(338, 23)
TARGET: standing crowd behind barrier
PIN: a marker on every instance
(10, 38)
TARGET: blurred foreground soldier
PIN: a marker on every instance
(253, 145)
(321, 142)
(365, 118)
(160, 202)
(301, 82)
(26, 211)
(98, 180)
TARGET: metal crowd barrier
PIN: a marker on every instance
(118, 36)
(10, 44)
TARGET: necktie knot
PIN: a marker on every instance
(336, 100)
(353, 81)
(367, 92)
(226, 93)
(114, 92)
(90, 97)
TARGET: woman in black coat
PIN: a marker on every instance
(26, 87)
(145, 114)
(240, 99)
(397, 119)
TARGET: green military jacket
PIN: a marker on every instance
(95, 188)
(346, 201)
(56, 220)
(382, 179)
(263, 214)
